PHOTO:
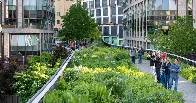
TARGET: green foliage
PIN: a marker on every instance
(110, 83)
(188, 72)
(38, 73)
(43, 58)
(181, 37)
(77, 24)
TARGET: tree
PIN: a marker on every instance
(181, 37)
(77, 24)
(95, 33)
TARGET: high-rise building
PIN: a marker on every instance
(108, 14)
(142, 16)
(27, 27)
(61, 8)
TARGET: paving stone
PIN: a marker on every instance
(187, 88)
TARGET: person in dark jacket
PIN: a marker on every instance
(152, 65)
(158, 64)
(166, 73)
(140, 53)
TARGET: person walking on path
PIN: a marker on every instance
(166, 73)
(158, 64)
(174, 74)
(132, 54)
(140, 53)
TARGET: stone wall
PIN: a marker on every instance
(20, 13)
(181, 7)
(6, 44)
(194, 11)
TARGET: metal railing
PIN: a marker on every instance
(183, 59)
(51, 83)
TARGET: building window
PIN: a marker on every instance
(98, 12)
(10, 12)
(58, 21)
(105, 11)
(58, 14)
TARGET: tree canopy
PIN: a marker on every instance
(77, 24)
(181, 38)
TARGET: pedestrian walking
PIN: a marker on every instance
(140, 53)
(163, 56)
(158, 64)
(166, 72)
(132, 54)
(174, 74)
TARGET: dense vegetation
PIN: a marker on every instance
(39, 70)
(180, 39)
(106, 75)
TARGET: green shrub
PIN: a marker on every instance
(100, 75)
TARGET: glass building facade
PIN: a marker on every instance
(36, 14)
(28, 27)
(100, 10)
(142, 16)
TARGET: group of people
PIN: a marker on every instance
(164, 71)
(80, 44)
(133, 52)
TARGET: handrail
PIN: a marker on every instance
(189, 61)
(40, 93)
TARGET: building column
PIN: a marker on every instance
(182, 4)
(6, 45)
(20, 13)
(194, 12)
(2, 11)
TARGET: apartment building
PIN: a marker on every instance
(142, 16)
(108, 14)
(27, 27)
(61, 8)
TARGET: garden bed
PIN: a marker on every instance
(106, 75)
(25, 82)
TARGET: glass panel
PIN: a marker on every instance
(165, 5)
(158, 4)
(113, 2)
(114, 19)
(120, 31)
(98, 12)
(104, 3)
(172, 4)
(113, 30)
(120, 19)
(26, 4)
(106, 31)
(105, 11)
(92, 4)
(21, 40)
(98, 20)
(120, 2)
(32, 4)
(105, 20)
(120, 10)
(114, 11)
(97, 3)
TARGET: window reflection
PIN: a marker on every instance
(106, 30)
(158, 4)
(165, 5)
(172, 4)
(113, 30)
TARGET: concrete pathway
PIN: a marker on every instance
(186, 87)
